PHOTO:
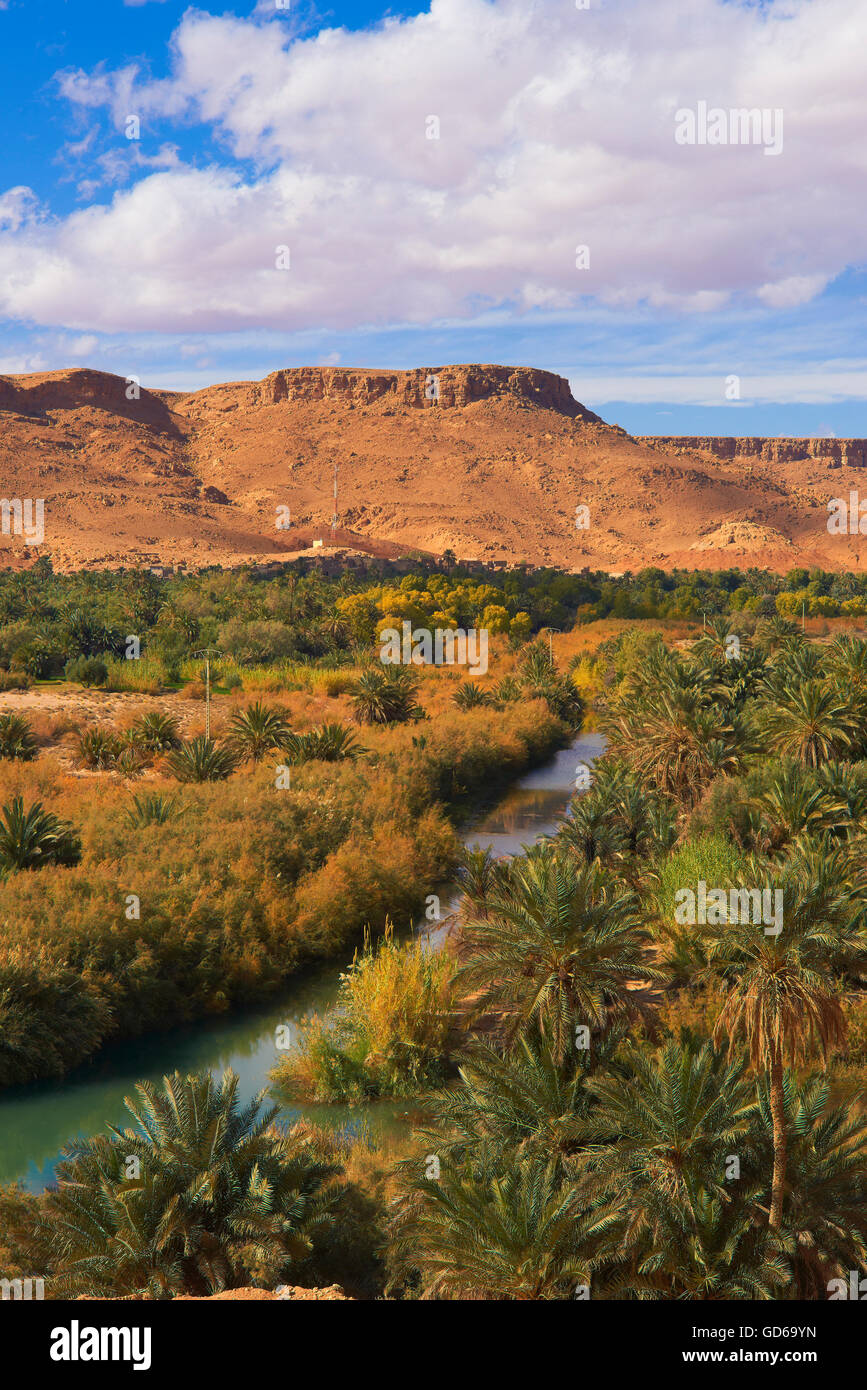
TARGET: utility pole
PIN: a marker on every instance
(207, 653)
(334, 513)
(550, 631)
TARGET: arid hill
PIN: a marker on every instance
(489, 462)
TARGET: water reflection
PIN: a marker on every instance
(36, 1120)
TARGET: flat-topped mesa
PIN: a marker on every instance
(851, 453)
(423, 388)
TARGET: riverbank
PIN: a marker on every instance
(36, 1120)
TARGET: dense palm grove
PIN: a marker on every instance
(617, 1101)
(653, 1119)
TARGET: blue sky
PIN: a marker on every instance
(723, 284)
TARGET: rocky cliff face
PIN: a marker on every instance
(423, 388)
(845, 453)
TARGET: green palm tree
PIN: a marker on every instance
(794, 804)
(17, 740)
(593, 830)
(558, 948)
(98, 748)
(157, 732)
(671, 1222)
(825, 1228)
(471, 695)
(777, 632)
(523, 1104)
(202, 760)
(676, 740)
(34, 837)
(332, 743)
(386, 697)
(714, 645)
(257, 730)
(202, 1194)
(847, 661)
(513, 1236)
(478, 875)
(810, 721)
(782, 999)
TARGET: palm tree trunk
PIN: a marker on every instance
(779, 1121)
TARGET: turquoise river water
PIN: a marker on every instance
(37, 1120)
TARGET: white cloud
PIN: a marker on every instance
(813, 387)
(795, 290)
(556, 130)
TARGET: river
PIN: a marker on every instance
(37, 1120)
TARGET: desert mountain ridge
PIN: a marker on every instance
(494, 463)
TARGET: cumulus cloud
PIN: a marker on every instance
(555, 132)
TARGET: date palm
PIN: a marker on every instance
(157, 732)
(479, 875)
(795, 803)
(825, 1229)
(677, 741)
(847, 662)
(385, 697)
(782, 1001)
(672, 1223)
(558, 948)
(152, 809)
(777, 632)
(471, 695)
(200, 1194)
(202, 760)
(810, 721)
(521, 1104)
(332, 743)
(715, 645)
(17, 740)
(593, 830)
(256, 731)
(515, 1236)
(33, 837)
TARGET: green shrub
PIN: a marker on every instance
(16, 738)
(86, 670)
(202, 760)
(389, 1034)
(99, 748)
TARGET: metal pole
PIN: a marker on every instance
(207, 653)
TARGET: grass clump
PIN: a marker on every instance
(389, 1035)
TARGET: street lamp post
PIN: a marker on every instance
(207, 653)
